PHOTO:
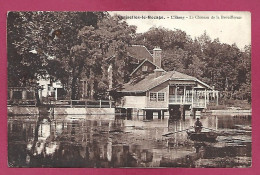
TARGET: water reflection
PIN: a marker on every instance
(106, 141)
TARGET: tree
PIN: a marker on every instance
(115, 36)
(244, 75)
(69, 46)
(223, 66)
(66, 46)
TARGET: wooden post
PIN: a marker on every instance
(194, 113)
(100, 103)
(181, 110)
(205, 98)
(149, 114)
(159, 115)
(168, 96)
(84, 88)
(216, 120)
(184, 96)
(56, 94)
(192, 95)
(208, 97)
(175, 94)
(24, 94)
(52, 113)
(129, 113)
(162, 114)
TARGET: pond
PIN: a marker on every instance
(115, 141)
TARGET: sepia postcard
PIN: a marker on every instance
(120, 89)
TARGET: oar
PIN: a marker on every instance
(218, 132)
(174, 132)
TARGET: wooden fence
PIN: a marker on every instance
(83, 103)
(66, 103)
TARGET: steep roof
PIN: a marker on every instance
(139, 52)
(141, 65)
(150, 81)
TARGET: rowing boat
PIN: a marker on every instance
(202, 136)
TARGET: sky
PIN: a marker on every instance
(229, 27)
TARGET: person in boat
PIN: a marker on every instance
(198, 125)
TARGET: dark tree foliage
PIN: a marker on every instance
(223, 66)
(69, 46)
(66, 46)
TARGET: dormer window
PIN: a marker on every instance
(145, 68)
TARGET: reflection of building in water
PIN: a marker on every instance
(107, 143)
(146, 156)
(44, 131)
(43, 141)
(109, 150)
(210, 122)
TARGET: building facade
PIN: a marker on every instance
(151, 89)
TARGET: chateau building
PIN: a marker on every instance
(151, 89)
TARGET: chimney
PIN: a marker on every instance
(157, 56)
(158, 72)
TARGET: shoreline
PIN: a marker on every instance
(22, 110)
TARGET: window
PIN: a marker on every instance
(172, 90)
(160, 96)
(153, 96)
(180, 90)
(157, 96)
(17, 95)
(145, 68)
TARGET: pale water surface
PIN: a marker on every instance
(109, 141)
